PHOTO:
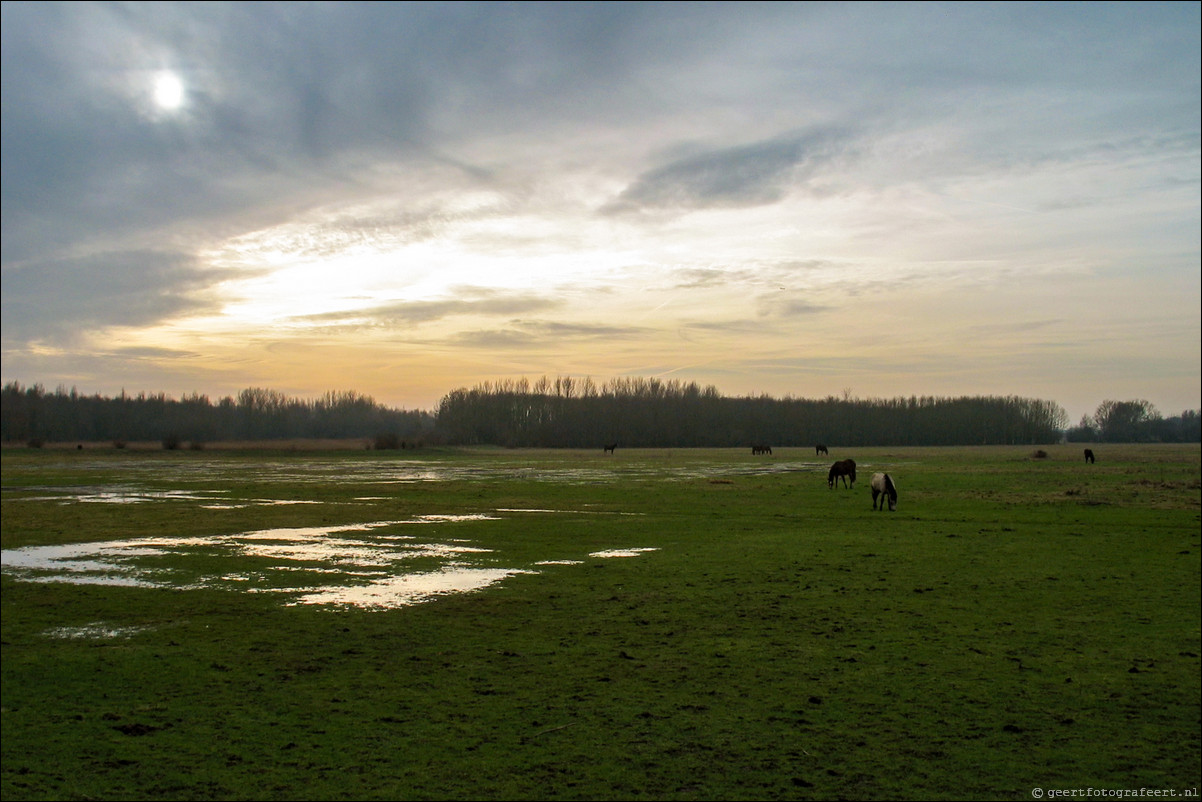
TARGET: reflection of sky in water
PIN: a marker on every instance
(123, 495)
(620, 552)
(406, 589)
(390, 471)
(354, 564)
(213, 499)
(95, 630)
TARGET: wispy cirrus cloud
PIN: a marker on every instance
(474, 302)
(544, 333)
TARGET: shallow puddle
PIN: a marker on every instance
(210, 499)
(620, 553)
(375, 565)
(122, 495)
(392, 472)
(407, 589)
(95, 631)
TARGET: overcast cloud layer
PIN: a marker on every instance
(785, 198)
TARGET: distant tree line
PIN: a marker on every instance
(649, 412)
(33, 414)
(1135, 421)
(578, 413)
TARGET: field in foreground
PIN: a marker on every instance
(649, 624)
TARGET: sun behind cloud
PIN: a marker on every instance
(169, 92)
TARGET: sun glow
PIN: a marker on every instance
(168, 91)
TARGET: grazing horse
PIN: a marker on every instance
(610, 449)
(844, 468)
(820, 450)
(761, 449)
(883, 487)
(1089, 455)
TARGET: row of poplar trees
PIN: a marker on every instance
(579, 413)
(33, 414)
(640, 412)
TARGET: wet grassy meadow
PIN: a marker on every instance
(647, 624)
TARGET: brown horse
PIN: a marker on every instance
(610, 449)
(843, 469)
(761, 449)
(1089, 455)
(820, 450)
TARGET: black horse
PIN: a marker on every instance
(610, 449)
(761, 449)
(843, 469)
(820, 450)
(1089, 455)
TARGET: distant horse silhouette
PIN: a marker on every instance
(883, 488)
(820, 450)
(842, 469)
(761, 449)
(610, 449)
(1089, 455)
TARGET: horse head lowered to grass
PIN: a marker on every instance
(843, 469)
(884, 488)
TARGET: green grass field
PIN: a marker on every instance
(1018, 623)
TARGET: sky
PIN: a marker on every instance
(800, 200)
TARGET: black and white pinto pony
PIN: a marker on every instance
(843, 469)
(883, 488)
(761, 449)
